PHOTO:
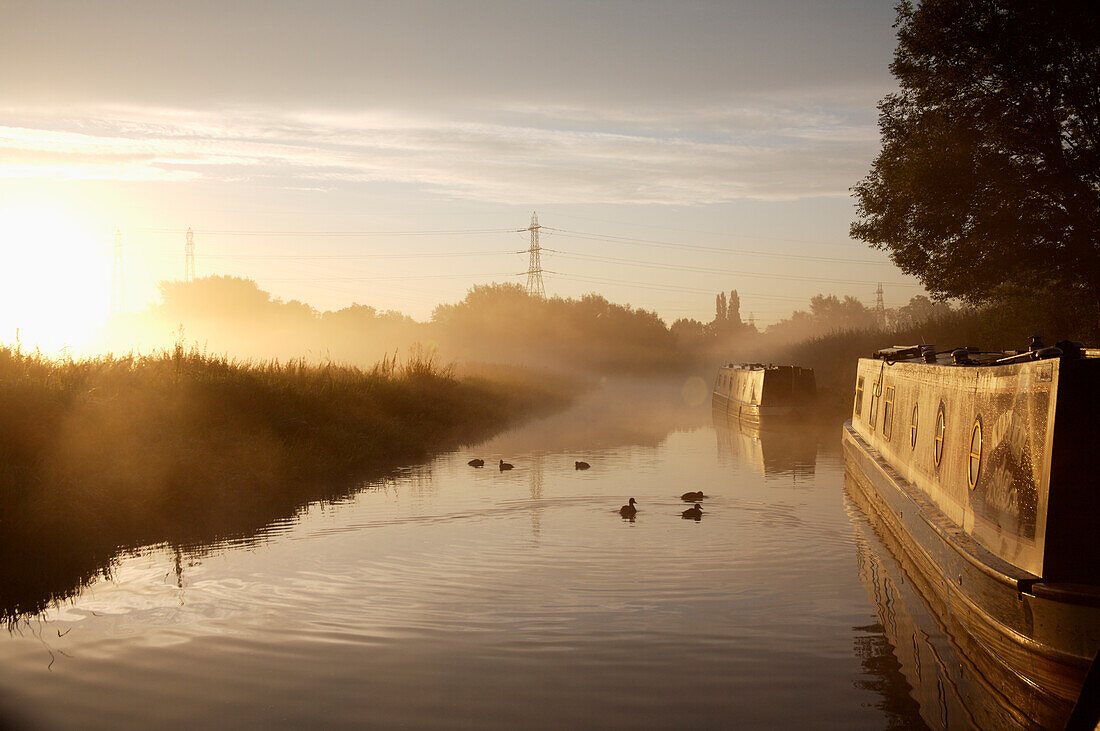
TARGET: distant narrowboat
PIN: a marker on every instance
(754, 392)
(983, 468)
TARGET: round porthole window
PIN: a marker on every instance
(941, 429)
(913, 429)
(974, 466)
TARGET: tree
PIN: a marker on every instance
(989, 173)
(919, 311)
(733, 310)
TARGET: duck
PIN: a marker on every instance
(505, 466)
(476, 463)
(695, 512)
(581, 465)
(692, 497)
(628, 510)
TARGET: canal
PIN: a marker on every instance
(445, 595)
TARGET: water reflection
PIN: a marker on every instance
(951, 686)
(472, 596)
(772, 449)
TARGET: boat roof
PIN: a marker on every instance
(969, 355)
(762, 366)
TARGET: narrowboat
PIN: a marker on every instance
(754, 392)
(982, 468)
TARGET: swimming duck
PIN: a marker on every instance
(694, 512)
(628, 510)
(692, 497)
(505, 466)
(476, 463)
(581, 465)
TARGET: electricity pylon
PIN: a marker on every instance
(534, 267)
(189, 257)
(116, 279)
(880, 307)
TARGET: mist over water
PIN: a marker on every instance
(449, 595)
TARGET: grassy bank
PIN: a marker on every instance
(103, 455)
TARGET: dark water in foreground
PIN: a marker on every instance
(449, 596)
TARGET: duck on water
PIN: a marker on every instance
(505, 466)
(693, 513)
(628, 510)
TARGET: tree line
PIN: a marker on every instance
(495, 323)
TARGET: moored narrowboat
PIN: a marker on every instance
(982, 467)
(754, 392)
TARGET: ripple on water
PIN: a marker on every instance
(447, 595)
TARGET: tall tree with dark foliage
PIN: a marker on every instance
(989, 173)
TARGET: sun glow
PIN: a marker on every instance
(55, 280)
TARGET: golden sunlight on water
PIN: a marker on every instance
(450, 595)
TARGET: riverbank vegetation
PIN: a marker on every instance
(112, 453)
(505, 329)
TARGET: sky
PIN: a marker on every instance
(391, 154)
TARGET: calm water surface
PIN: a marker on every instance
(448, 596)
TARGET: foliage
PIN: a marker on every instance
(108, 454)
(828, 313)
(989, 172)
(503, 323)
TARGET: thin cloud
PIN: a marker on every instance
(553, 156)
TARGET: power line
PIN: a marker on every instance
(699, 247)
(349, 257)
(764, 237)
(253, 232)
(736, 272)
(390, 278)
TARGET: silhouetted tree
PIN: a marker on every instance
(919, 310)
(720, 308)
(989, 172)
(502, 323)
(733, 310)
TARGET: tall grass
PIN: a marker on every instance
(112, 453)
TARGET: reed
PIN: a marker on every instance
(108, 454)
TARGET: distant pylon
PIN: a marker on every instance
(189, 257)
(880, 307)
(116, 279)
(534, 267)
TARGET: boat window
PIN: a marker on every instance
(859, 396)
(974, 467)
(888, 413)
(913, 429)
(941, 429)
(873, 416)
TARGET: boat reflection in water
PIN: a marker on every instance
(770, 448)
(947, 673)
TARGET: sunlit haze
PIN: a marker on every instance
(389, 154)
(56, 278)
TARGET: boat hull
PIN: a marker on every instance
(756, 394)
(753, 414)
(1034, 640)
